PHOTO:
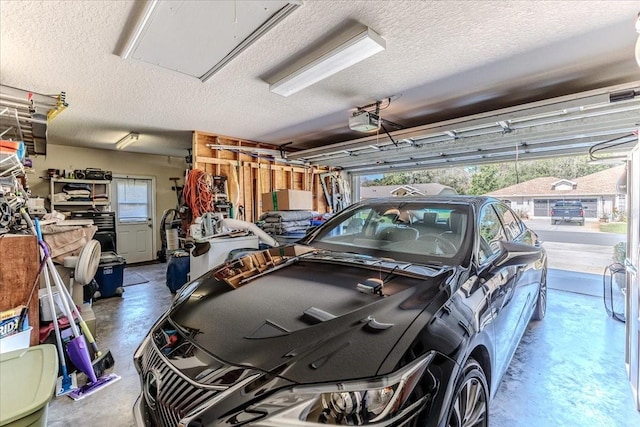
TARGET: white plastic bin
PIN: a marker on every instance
(16, 341)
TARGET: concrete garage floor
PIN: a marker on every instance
(568, 370)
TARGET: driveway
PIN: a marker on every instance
(575, 248)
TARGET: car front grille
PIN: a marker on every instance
(170, 395)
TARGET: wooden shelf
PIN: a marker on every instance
(102, 203)
(98, 187)
(81, 181)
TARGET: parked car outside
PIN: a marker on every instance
(399, 311)
(567, 211)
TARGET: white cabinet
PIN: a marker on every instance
(81, 194)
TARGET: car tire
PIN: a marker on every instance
(471, 387)
(541, 305)
(582, 223)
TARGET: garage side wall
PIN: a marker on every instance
(125, 163)
(251, 171)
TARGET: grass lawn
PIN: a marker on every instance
(614, 227)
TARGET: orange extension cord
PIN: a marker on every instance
(197, 193)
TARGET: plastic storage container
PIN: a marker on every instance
(27, 382)
(110, 275)
(177, 271)
(16, 341)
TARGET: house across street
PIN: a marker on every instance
(598, 193)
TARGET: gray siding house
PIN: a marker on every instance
(598, 193)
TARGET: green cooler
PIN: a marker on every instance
(27, 382)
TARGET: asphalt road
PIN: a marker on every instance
(574, 233)
(601, 239)
(579, 249)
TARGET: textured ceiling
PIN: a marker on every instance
(444, 59)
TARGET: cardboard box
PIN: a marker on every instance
(287, 200)
(10, 321)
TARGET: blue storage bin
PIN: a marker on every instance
(177, 270)
(110, 276)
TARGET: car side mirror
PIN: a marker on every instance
(516, 254)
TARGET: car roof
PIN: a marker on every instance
(457, 199)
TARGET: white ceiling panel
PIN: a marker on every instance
(194, 37)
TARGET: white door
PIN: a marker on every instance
(134, 218)
(633, 274)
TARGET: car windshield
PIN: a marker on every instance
(417, 231)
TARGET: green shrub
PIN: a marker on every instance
(620, 252)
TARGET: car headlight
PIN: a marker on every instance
(347, 403)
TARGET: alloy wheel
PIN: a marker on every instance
(541, 305)
(542, 300)
(470, 405)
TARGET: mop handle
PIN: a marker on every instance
(56, 278)
(56, 327)
(66, 296)
(63, 298)
(85, 329)
(52, 306)
(58, 282)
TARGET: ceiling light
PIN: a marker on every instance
(358, 48)
(127, 140)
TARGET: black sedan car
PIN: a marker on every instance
(394, 312)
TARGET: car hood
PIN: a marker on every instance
(302, 317)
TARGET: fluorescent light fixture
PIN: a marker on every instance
(127, 140)
(356, 49)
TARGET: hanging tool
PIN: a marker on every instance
(178, 189)
(60, 106)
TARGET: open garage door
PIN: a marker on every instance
(633, 274)
(542, 207)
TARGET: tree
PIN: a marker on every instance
(485, 180)
(457, 178)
